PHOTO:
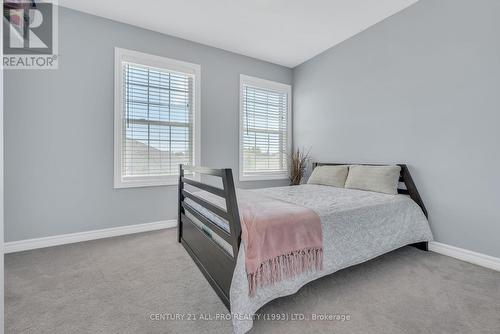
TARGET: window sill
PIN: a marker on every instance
(263, 177)
(120, 184)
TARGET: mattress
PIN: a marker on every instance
(222, 223)
(357, 226)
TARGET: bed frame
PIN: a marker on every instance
(216, 264)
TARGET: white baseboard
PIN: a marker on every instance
(480, 259)
(23, 245)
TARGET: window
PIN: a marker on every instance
(156, 118)
(264, 129)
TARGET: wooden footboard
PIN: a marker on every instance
(216, 264)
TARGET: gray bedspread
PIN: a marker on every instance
(357, 226)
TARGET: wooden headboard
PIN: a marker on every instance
(405, 177)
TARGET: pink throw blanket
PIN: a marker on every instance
(281, 239)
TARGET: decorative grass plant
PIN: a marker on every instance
(298, 163)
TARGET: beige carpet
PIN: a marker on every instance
(115, 285)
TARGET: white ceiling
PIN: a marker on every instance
(285, 32)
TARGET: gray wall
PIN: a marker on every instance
(421, 87)
(59, 129)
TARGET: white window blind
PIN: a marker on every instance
(264, 134)
(156, 123)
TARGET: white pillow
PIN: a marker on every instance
(382, 179)
(334, 176)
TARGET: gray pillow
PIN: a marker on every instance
(382, 179)
(334, 176)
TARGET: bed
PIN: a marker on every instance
(357, 226)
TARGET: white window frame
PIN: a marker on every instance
(172, 65)
(246, 80)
